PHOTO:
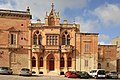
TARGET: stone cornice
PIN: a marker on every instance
(15, 14)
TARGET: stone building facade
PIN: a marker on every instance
(116, 41)
(107, 57)
(45, 47)
(14, 38)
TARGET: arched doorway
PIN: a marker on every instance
(50, 62)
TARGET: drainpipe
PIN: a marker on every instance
(75, 51)
(80, 51)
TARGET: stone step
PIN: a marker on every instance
(52, 73)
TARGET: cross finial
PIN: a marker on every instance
(52, 5)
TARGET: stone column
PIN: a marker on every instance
(58, 64)
(73, 61)
(73, 64)
(37, 64)
(30, 51)
(45, 66)
(65, 57)
(30, 60)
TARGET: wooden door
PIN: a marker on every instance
(51, 64)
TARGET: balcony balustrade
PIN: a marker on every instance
(14, 46)
(66, 48)
(37, 48)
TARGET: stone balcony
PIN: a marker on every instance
(66, 48)
(37, 48)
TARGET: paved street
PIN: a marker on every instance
(40, 77)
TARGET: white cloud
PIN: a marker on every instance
(87, 25)
(104, 38)
(39, 7)
(6, 6)
(108, 13)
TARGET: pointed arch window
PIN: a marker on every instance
(69, 62)
(35, 39)
(62, 62)
(41, 61)
(63, 40)
(33, 62)
(40, 39)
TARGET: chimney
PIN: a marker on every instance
(65, 22)
(38, 21)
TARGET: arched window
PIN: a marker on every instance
(108, 64)
(35, 39)
(51, 21)
(39, 39)
(68, 39)
(99, 66)
(69, 62)
(41, 62)
(33, 62)
(63, 40)
(62, 62)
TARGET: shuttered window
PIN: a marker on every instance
(13, 57)
(11, 39)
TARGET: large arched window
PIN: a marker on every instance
(40, 39)
(63, 40)
(62, 62)
(33, 62)
(69, 62)
(35, 39)
(41, 62)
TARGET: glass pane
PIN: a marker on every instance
(35, 39)
(40, 40)
(63, 40)
(68, 40)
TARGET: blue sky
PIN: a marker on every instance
(100, 16)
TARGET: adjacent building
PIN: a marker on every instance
(45, 47)
(107, 57)
(116, 41)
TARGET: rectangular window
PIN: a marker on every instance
(47, 40)
(55, 40)
(87, 47)
(51, 40)
(86, 63)
(11, 39)
(13, 57)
